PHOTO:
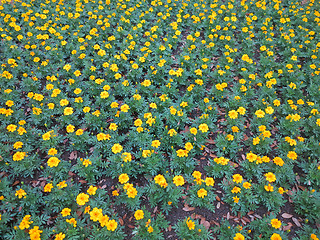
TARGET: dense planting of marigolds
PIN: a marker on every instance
(164, 119)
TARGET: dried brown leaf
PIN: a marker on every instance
(187, 208)
(296, 222)
(286, 215)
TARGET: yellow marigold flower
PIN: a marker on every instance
(126, 157)
(259, 113)
(124, 108)
(92, 190)
(72, 221)
(278, 161)
(237, 178)
(159, 179)
(209, 181)
(20, 193)
(86, 109)
(113, 126)
(268, 188)
(202, 193)
(190, 224)
(292, 155)
(77, 73)
(60, 236)
(236, 199)
(48, 187)
(275, 236)
(178, 180)
(17, 145)
(112, 225)
(34, 233)
(102, 136)
(104, 220)
(241, 110)
(275, 223)
(68, 111)
(203, 127)
(116, 148)
(139, 215)
(11, 127)
(65, 212)
(239, 236)
(236, 190)
(96, 214)
(270, 177)
(233, 114)
(123, 178)
(172, 132)
(246, 185)
(82, 199)
(53, 162)
(62, 184)
(70, 128)
(193, 131)
(18, 156)
(132, 192)
(52, 151)
(155, 143)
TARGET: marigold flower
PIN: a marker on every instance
(82, 199)
(202, 193)
(178, 180)
(292, 155)
(190, 224)
(237, 178)
(238, 236)
(203, 127)
(268, 188)
(233, 114)
(275, 236)
(275, 223)
(123, 178)
(65, 212)
(270, 177)
(20, 193)
(68, 111)
(139, 215)
(92, 190)
(159, 179)
(53, 162)
(112, 225)
(96, 214)
(116, 148)
(48, 187)
(60, 236)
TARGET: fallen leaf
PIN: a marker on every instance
(206, 224)
(218, 199)
(286, 228)
(228, 216)
(155, 209)
(82, 181)
(15, 183)
(286, 215)
(73, 155)
(79, 213)
(218, 205)
(296, 221)
(210, 141)
(131, 226)
(215, 223)
(169, 228)
(187, 208)
(121, 221)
